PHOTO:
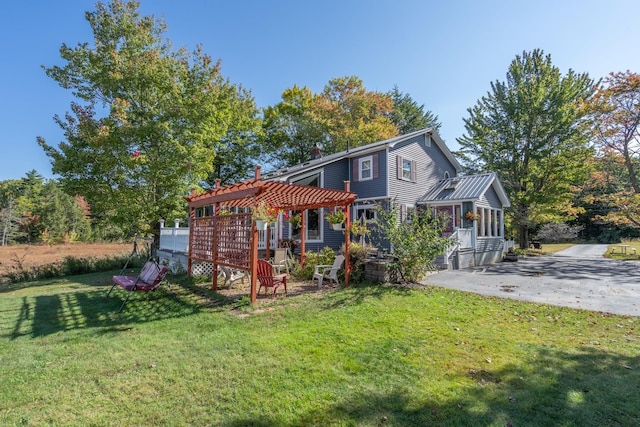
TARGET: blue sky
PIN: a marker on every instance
(444, 54)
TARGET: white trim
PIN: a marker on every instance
(361, 161)
(404, 178)
(361, 207)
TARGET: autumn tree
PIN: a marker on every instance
(615, 110)
(408, 116)
(530, 130)
(146, 122)
(344, 115)
(352, 116)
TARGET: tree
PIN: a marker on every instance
(151, 121)
(62, 219)
(291, 129)
(615, 112)
(408, 116)
(531, 131)
(351, 116)
(9, 213)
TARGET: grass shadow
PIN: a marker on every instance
(584, 388)
(81, 302)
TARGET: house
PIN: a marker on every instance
(416, 169)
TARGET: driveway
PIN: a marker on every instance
(577, 278)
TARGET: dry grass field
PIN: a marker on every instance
(28, 256)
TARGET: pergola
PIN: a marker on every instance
(232, 239)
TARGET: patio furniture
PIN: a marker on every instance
(281, 259)
(231, 275)
(268, 279)
(328, 271)
(149, 279)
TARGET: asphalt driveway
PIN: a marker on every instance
(578, 278)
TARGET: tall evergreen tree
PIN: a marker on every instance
(530, 130)
(408, 116)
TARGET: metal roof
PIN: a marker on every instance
(465, 188)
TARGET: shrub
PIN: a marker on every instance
(416, 242)
(71, 266)
(357, 256)
(325, 257)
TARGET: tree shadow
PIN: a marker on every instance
(83, 304)
(581, 388)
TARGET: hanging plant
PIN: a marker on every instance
(295, 220)
(338, 216)
(264, 212)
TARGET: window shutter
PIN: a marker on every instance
(355, 172)
(399, 167)
(414, 171)
(375, 165)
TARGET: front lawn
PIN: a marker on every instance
(363, 356)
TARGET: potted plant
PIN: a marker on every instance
(336, 218)
(264, 214)
(295, 220)
(472, 216)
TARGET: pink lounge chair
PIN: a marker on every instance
(150, 277)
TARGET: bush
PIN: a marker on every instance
(71, 266)
(357, 256)
(325, 257)
(416, 241)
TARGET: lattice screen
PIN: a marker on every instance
(202, 238)
(233, 235)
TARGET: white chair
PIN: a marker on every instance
(328, 271)
(231, 275)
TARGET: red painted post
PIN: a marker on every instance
(347, 239)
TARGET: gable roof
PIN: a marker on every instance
(465, 188)
(284, 173)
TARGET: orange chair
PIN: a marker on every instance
(268, 279)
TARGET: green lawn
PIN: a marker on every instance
(364, 356)
(631, 253)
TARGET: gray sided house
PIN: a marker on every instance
(416, 169)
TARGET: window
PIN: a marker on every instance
(314, 217)
(446, 174)
(368, 212)
(407, 212)
(366, 168)
(407, 170)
